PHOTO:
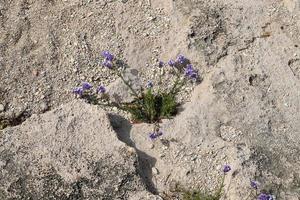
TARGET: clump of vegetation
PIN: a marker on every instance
(258, 193)
(201, 195)
(148, 105)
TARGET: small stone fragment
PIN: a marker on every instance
(2, 107)
(43, 107)
(194, 158)
(155, 170)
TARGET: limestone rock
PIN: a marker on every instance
(69, 153)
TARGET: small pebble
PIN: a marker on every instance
(194, 158)
(155, 171)
(35, 72)
(43, 107)
(1, 108)
(162, 155)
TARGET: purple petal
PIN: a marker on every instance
(190, 72)
(171, 63)
(181, 59)
(254, 184)
(78, 91)
(161, 64)
(86, 86)
(264, 196)
(107, 55)
(149, 84)
(226, 168)
(155, 135)
(101, 89)
(107, 63)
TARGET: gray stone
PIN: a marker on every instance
(43, 107)
(2, 107)
(68, 153)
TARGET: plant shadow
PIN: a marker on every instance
(123, 127)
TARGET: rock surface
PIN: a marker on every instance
(245, 112)
(68, 153)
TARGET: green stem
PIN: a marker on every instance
(219, 192)
(128, 85)
(177, 86)
(156, 127)
(159, 81)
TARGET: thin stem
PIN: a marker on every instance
(156, 127)
(249, 195)
(128, 85)
(221, 187)
(177, 86)
(159, 81)
(108, 104)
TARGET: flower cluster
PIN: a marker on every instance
(108, 59)
(261, 196)
(171, 63)
(101, 89)
(156, 134)
(86, 87)
(182, 62)
(190, 72)
(264, 196)
(254, 184)
(181, 59)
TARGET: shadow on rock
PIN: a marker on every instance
(122, 127)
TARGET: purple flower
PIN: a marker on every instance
(181, 59)
(107, 63)
(101, 89)
(254, 184)
(264, 196)
(155, 135)
(149, 84)
(78, 90)
(191, 72)
(107, 55)
(171, 63)
(152, 136)
(86, 86)
(161, 64)
(226, 168)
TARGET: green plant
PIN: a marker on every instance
(199, 195)
(151, 103)
(202, 195)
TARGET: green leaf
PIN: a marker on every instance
(168, 105)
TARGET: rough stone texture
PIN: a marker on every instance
(244, 113)
(246, 110)
(68, 153)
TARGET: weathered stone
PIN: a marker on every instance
(69, 153)
(2, 107)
